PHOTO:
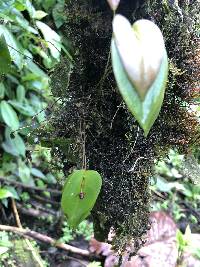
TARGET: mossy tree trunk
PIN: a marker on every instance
(97, 123)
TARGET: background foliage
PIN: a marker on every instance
(24, 92)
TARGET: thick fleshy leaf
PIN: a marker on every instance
(79, 195)
(145, 111)
(5, 59)
(113, 4)
(141, 48)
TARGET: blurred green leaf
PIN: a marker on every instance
(50, 178)
(19, 5)
(5, 59)
(24, 108)
(5, 193)
(37, 173)
(47, 4)
(4, 5)
(39, 14)
(52, 38)
(40, 183)
(20, 93)
(2, 91)
(13, 191)
(25, 173)
(9, 115)
(15, 145)
(58, 13)
(13, 46)
(32, 67)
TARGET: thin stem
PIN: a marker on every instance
(132, 149)
(133, 168)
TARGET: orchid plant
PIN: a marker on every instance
(140, 66)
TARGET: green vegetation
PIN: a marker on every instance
(84, 229)
(25, 92)
(60, 111)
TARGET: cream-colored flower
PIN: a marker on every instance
(141, 49)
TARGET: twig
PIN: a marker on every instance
(159, 195)
(32, 212)
(46, 200)
(18, 184)
(18, 222)
(30, 246)
(45, 239)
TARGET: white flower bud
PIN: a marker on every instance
(113, 4)
(141, 49)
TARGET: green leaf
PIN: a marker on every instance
(5, 244)
(19, 19)
(5, 193)
(58, 14)
(13, 46)
(25, 173)
(4, 5)
(20, 6)
(52, 38)
(13, 191)
(2, 90)
(79, 195)
(47, 4)
(50, 178)
(35, 69)
(5, 59)
(9, 115)
(37, 173)
(14, 146)
(145, 111)
(20, 93)
(39, 14)
(24, 108)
